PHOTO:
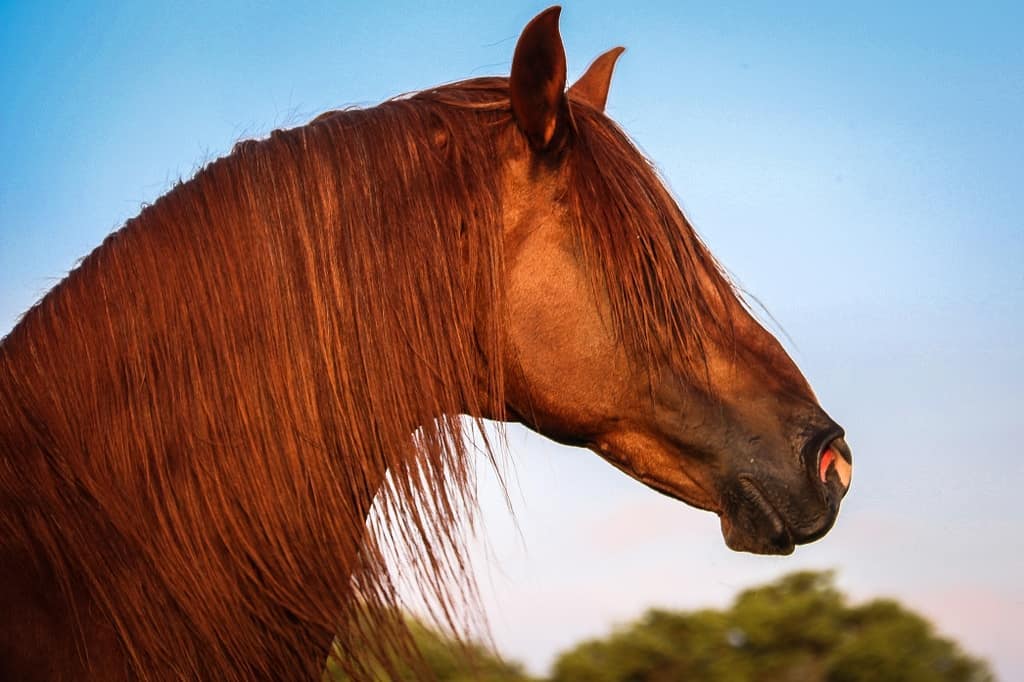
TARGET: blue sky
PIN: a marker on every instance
(857, 168)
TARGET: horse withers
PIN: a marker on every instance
(195, 423)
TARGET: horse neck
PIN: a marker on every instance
(65, 512)
(205, 409)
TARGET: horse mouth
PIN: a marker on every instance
(753, 524)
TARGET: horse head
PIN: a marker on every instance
(624, 337)
(195, 423)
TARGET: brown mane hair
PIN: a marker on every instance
(194, 423)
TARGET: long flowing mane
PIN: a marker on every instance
(194, 423)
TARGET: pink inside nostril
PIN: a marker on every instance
(827, 459)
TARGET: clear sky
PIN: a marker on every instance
(856, 167)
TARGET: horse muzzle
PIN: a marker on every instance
(769, 513)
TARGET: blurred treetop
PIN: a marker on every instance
(796, 629)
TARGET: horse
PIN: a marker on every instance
(195, 422)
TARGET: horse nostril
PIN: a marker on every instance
(825, 453)
(837, 456)
(828, 458)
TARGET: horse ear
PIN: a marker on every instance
(592, 87)
(537, 82)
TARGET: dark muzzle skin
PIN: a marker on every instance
(769, 509)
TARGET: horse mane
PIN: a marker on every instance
(194, 422)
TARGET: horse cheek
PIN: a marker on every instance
(566, 370)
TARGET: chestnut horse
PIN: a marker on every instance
(195, 422)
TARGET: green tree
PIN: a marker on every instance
(797, 629)
(886, 643)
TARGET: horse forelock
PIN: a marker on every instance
(225, 381)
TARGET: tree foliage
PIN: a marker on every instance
(796, 629)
